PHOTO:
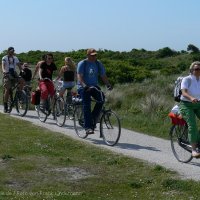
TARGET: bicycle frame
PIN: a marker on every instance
(110, 127)
(19, 100)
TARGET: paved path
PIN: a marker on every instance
(151, 149)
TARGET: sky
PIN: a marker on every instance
(117, 25)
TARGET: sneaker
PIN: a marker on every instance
(195, 154)
(89, 131)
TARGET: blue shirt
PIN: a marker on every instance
(90, 72)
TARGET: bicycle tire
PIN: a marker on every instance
(179, 143)
(42, 115)
(110, 127)
(79, 122)
(60, 111)
(21, 103)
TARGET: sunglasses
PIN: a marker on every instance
(197, 69)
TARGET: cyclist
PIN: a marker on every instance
(26, 73)
(68, 74)
(88, 71)
(46, 86)
(10, 76)
(190, 105)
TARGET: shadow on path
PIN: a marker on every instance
(125, 145)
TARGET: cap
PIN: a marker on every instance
(91, 52)
(11, 49)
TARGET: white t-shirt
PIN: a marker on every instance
(10, 62)
(192, 85)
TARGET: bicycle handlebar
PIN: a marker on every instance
(48, 79)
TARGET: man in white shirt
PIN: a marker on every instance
(10, 76)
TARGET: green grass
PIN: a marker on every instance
(144, 107)
(36, 163)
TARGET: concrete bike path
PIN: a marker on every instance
(137, 145)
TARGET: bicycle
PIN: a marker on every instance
(20, 100)
(27, 89)
(180, 145)
(68, 110)
(53, 105)
(59, 106)
(109, 124)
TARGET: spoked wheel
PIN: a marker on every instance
(21, 103)
(59, 111)
(180, 144)
(42, 114)
(79, 122)
(110, 127)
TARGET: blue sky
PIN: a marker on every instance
(118, 25)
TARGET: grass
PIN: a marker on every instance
(36, 163)
(144, 107)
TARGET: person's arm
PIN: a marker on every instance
(40, 72)
(3, 66)
(36, 70)
(186, 95)
(81, 80)
(106, 82)
(19, 66)
(60, 74)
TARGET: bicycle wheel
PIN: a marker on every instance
(42, 114)
(59, 111)
(79, 121)
(21, 103)
(110, 127)
(180, 144)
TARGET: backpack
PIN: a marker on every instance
(177, 88)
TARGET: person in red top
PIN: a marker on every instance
(46, 70)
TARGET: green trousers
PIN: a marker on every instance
(189, 112)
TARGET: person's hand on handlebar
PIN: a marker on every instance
(109, 87)
(194, 100)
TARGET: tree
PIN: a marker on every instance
(192, 48)
(166, 52)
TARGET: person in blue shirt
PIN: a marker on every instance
(88, 72)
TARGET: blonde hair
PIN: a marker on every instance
(193, 64)
(70, 63)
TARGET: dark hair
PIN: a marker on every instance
(48, 54)
(11, 49)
